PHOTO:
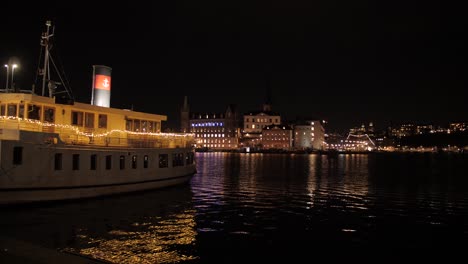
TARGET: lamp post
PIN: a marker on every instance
(13, 75)
(7, 75)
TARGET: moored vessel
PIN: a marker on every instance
(52, 149)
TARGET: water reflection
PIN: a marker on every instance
(150, 227)
(266, 207)
(274, 203)
(157, 240)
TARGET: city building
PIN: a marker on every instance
(459, 126)
(309, 135)
(277, 137)
(256, 121)
(216, 131)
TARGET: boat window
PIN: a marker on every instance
(77, 118)
(128, 124)
(157, 127)
(34, 112)
(122, 162)
(108, 162)
(150, 126)
(49, 114)
(189, 158)
(58, 161)
(89, 120)
(177, 159)
(102, 121)
(21, 111)
(11, 111)
(144, 126)
(145, 161)
(134, 161)
(93, 162)
(163, 160)
(76, 161)
(2, 109)
(136, 125)
(17, 155)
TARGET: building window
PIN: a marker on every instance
(108, 162)
(122, 162)
(102, 121)
(58, 161)
(145, 161)
(76, 161)
(163, 160)
(93, 162)
(134, 161)
(17, 155)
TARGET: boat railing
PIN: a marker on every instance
(74, 135)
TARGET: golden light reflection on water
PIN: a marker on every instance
(345, 176)
(154, 241)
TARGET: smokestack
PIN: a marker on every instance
(101, 85)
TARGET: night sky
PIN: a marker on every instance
(348, 62)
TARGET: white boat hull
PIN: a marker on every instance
(51, 172)
(17, 196)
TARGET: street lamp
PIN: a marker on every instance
(13, 75)
(7, 75)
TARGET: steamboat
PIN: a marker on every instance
(55, 149)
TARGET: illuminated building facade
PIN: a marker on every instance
(309, 135)
(277, 137)
(216, 131)
(255, 123)
(458, 126)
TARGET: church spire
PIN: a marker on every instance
(267, 103)
(184, 117)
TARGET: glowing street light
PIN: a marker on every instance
(13, 75)
(7, 75)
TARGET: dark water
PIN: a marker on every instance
(239, 208)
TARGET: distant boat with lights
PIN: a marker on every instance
(57, 149)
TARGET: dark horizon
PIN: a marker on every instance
(347, 63)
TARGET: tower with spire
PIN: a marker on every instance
(184, 117)
(267, 104)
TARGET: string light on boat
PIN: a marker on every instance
(105, 134)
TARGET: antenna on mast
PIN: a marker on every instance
(48, 85)
(45, 42)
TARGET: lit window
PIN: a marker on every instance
(89, 120)
(102, 121)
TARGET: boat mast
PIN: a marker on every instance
(45, 43)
